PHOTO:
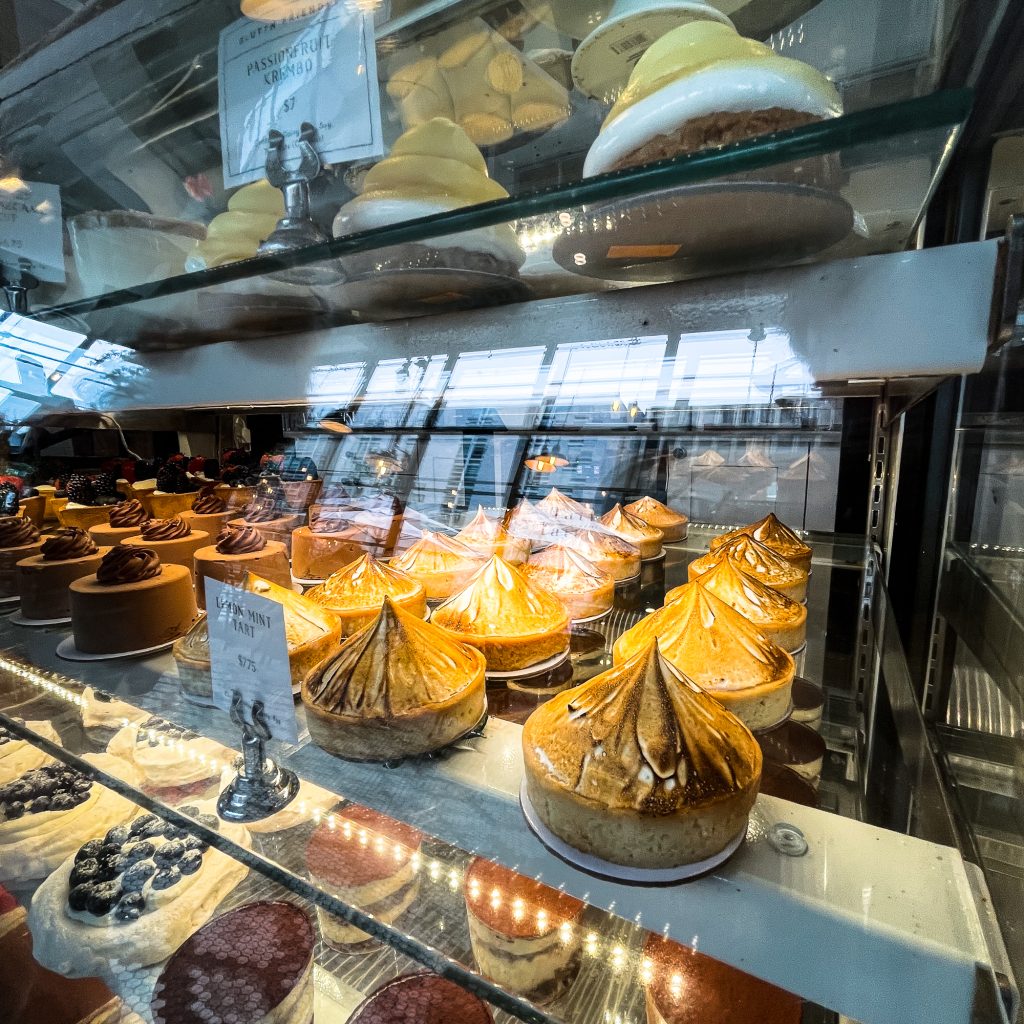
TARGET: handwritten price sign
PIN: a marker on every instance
(249, 654)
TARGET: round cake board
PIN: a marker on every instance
(592, 618)
(619, 872)
(531, 670)
(8, 602)
(703, 229)
(67, 650)
(20, 620)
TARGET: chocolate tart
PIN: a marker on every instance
(795, 746)
(442, 564)
(44, 579)
(672, 524)
(756, 560)
(808, 703)
(779, 781)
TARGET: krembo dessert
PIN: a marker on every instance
(240, 550)
(44, 579)
(252, 214)
(512, 621)
(720, 651)
(442, 564)
(654, 513)
(640, 766)
(753, 558)
(583, 589)
(174, 540)
(18, 539)
(774, 534)
(125, 521)
(131, 603)
(398, 687)
(432, 168)
(703, 85)
(356, 593)
(630, 528)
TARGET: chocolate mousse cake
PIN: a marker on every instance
(209, 512)
(18, 756)
(252, 965)
(173, 540)
(131, 603)
(131, 896)
(513, 622)
(443, 565)
(655, 513)
(240, 550)
(683, 986)
(421, 999)
(641, 767)
(525, 936)
(125, 521)
(753, 558)
(43, 579)
(633, 529)
(491, 537)
(584, 589)
(356, 593)
(274, 523)
(399, 687)
(19, 539)
(370, 862)
(775, 534)
(719, 650)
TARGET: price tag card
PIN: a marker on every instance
(249, 653)
(31, 231)
(320, 68)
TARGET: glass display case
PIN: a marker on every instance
(525, 384)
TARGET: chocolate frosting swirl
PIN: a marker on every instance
(16, 531)
(71, 542)
(165, 529)
(258, 513)
(208, 504)
(128, 565)
(128, 513)
(240, 540)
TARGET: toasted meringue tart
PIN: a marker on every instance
(654, 513)
(584, 589)
(441, 564)
(525, 522)
(774, 534)
(356, 592)
(779, 617)
(397, 688)
(561, 506)
(640, 766)
(647, 538)
(753, 558)
(491, 537)
(721, 651)
(609, 552)
(513, 622)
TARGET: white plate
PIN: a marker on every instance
(67, 650)
(619, 872)
(20, 620)
(532, 670)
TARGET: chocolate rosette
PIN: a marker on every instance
(128, 565)
(16, 531)
(71, 542)
(240, 540)
(208, 504)
(260, 513)
(128, 513)
(165, 529)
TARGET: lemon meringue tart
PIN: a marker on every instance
(654, 513)
(441, 564)
(513, 622)
(526, 522)
(356, 593)
(756, 560)
(719, 650)
(584, 589)
(491, 537)
(560, 506)
(630, 528)
(397, 688)
(609, 552)
(641, 767)
(774, 534)
(779, 617)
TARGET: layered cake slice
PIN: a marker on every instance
(775, 534)
(719, 650)
(441, 564)
(44, 579)
(398, 687)
(240, 550)
(657, 514)
(754, 559)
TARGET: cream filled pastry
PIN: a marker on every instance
(356, 593)
(584, 589)
(633, 529)
(369, 861)
(513, 622)
(720, 651)
(703, 85)
(131, 896)
(640, 766)
(46, 813)
(655, 513)
(753, 558)
(18, 756)
(443, 565)
(491, 537)
(780, 618)
(398, 687)
(252, 214)
(775, 534)
(433, 168)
